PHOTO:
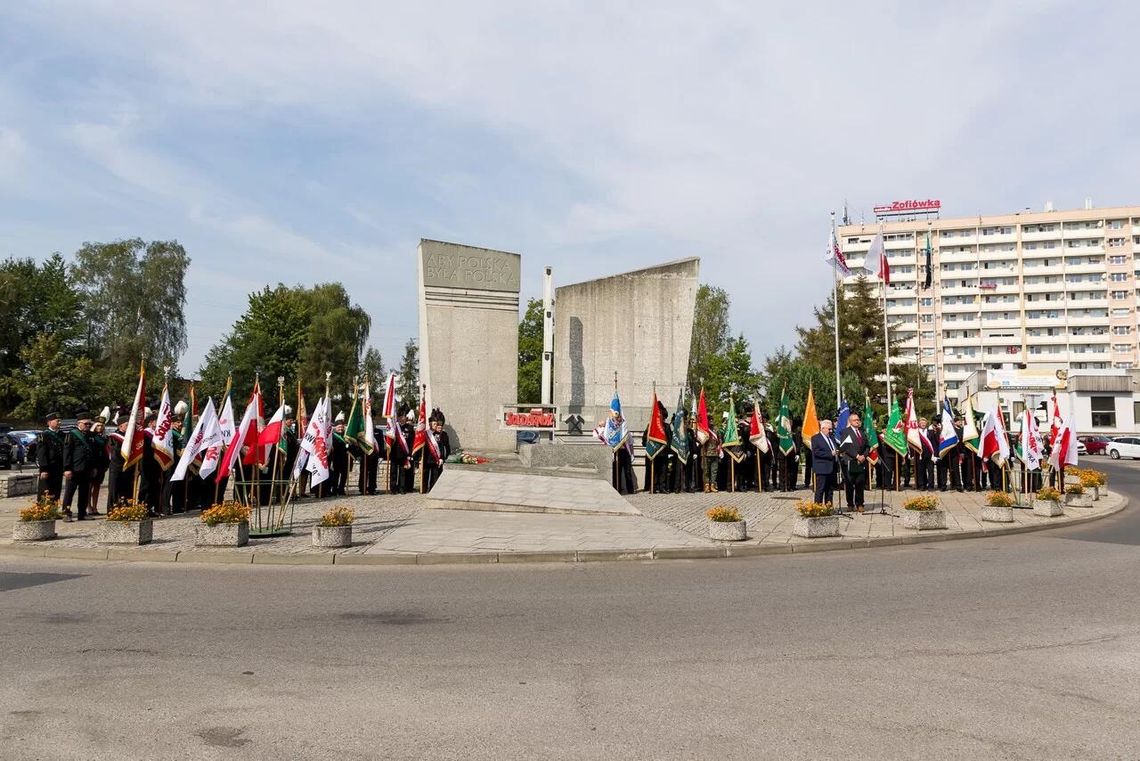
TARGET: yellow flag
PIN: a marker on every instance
(811, 420)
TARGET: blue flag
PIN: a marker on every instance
(841, 420)
(949, 438)
(617, 430)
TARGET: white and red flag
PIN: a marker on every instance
(835, 257)
(391, 399)
(913, 437)
(876, 261)
(241, 436)
(255, 454)
(995, 444)
(132, 448)
(424, 436)
(316, 442)
(756, 433)
(1064, 452)
(162, 441)
(206, 434)
(1055, 421)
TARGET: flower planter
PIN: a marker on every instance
(924, 520)
(1047, 508)
(727, 531)
(332, 536)
(222, 535)
(997, 514)
(33, 531)
(126, 532)
(811, 528)
(1096, 493)
(1078, 500)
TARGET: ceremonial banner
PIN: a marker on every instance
(617, 429)
(679, 441)
(655, 439)
(132, 448)
(784, 426)
(315, 443)
(162, 441)
(811, 419)
(756, 433)
(206, 434)
(895, 434)
(872, 434)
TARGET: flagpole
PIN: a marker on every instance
(835, 303)
(134, 432)
(886, 333)
(364, 455)
(652, 412)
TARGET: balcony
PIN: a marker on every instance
(1085, 269)
(1086, 303)
(958, 341)
(971, 324)
(1040, 236)
(956, 257)
(1051, 356)
(1078, 321)
(1039, 287)
(960, 308)
(1042, 340)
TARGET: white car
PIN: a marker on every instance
(1123, 446)
(1082, 450)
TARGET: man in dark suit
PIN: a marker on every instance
(824, 462)
(49, 458)
(854, 449)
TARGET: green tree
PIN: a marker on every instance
(409, 376)
(293, 332)
(372, 367)
(530, 354)
(134, 297)
(52, 375)
(710, 332)
(861, 349)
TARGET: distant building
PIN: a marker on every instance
(1040, 291)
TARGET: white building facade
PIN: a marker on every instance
(1037, 291)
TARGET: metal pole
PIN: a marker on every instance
(547, 337)
(835, 302)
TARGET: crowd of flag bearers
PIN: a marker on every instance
(962, 450)
(176, 458)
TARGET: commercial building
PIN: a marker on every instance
(1037, 291)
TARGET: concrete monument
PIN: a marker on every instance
(469, 315)
(638, 323)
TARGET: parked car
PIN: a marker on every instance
(29, 438)
(1095, 444)
(1081, 448)
(7, 452)
(1124, 446)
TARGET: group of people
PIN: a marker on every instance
(828, 460)
(74, 464)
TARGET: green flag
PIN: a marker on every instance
(872, 434)
(354, 427)
(679, 441)
(731, 438)
(896, 435)
(784, 426)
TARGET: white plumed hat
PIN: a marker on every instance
(180, 408)
(339, 417)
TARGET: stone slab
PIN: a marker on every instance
(510, 492)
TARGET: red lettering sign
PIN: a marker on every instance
(908, 207)
(529, 419)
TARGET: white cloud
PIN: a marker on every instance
(725, 129)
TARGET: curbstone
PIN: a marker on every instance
(379, 559)
(588, 556)
(754, 550)
(142, 556)
(232, 558)
(690, 553)
(278, 558)
(548, 556)
(76, 553)
(458, 558)
(23, 550)
(799, 547)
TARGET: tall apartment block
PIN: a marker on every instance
(1041, 290)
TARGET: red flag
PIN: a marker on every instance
(704, 431)
(255, 455)
(656, 431)
(1056, 422)
(756, 433)
(132, 448)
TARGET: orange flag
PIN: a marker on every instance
(811, 420)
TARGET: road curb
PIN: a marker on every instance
(133, 555)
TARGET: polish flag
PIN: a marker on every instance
(756, 433)
(995, 445)
(271, 433)
(255, 455)
(248, 424)
(876, 261)
(1064, 448)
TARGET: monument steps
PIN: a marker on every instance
(498, 491)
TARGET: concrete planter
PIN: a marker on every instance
(728, 531)
(811, 528)
(33, 531)
(332, 536)
(1047, 508)
(1096, 492)
(996, 514)
(924, 520)
(126, 532)
(1078, 500)
(222, 535)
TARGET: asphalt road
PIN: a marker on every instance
(1018, 647)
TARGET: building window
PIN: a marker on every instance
(1118, 277)
(1121, 330)
(1103, 411)
(1116, 259)
(1119, 295)
(1136, 411)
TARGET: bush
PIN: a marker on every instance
(999, 499)
(809, 509)
(226, 512)
(128, 510)
(43, 509)
(337, 516)
(1074, 489)
(922, 502)
(723, 514)
(1049, 494)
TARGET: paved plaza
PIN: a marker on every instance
(404, 529)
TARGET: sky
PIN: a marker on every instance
(304, 142)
